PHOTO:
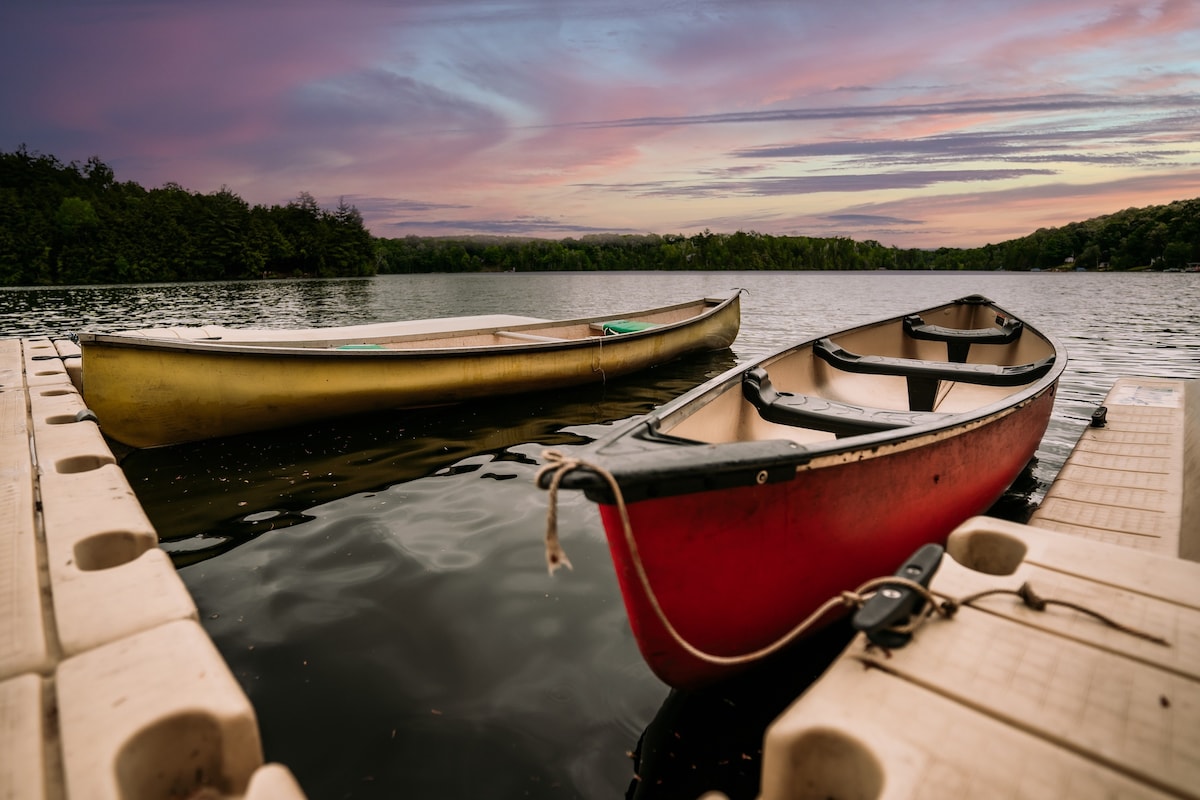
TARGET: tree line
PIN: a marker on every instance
(703, 251)
(1155, 237)
(75, 223)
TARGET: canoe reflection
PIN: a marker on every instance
(710, 739)
(207, 497)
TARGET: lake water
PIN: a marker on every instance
(377, 585)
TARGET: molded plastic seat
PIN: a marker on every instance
(819, 413)
(958, 341)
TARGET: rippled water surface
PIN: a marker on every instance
(378, 586)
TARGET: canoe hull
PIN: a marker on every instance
(149, 393)
(714, 566)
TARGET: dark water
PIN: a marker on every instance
(378, 586)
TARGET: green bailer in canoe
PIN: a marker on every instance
(170, 385)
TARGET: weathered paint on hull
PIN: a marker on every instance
(145, 397)
(736, 569)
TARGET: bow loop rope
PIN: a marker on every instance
(558, 464)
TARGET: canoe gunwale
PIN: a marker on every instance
(326, 349)
(667, 466)
(649, 463)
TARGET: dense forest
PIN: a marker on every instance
(1157, 237)
(75, 223)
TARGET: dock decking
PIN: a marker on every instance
(1003, 700)
(1125, 482)
(109, 686)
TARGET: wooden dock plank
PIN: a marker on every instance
(1075, 699)
(896, 739)
(1123, 482)
(1003, 700)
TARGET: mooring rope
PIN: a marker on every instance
(1037, 603)
(598, 364)
(936, 603)
(559, 465)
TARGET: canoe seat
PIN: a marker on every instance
(958, 341)
(822, 414)
(924, 376)
(622, 326)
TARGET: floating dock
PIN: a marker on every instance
(1045, 698)
(109, 686)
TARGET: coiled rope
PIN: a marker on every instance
(936, 603)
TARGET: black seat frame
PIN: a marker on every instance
(924, 376)
(822, 414)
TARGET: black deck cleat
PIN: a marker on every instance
(895, 604)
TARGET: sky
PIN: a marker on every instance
(926, 123)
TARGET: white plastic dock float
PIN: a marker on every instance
(1002, 700)
(109, 687)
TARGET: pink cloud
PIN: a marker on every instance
(971, 219)
(475, 110)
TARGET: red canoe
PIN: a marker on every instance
(760, 495)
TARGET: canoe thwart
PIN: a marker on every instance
(891, 608)
(959, 341)
(923, 376)
(823, 414)
(527, 337)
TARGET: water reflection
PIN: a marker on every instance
(377, 585)
(711, 739)
(432, 656)
(206, 497)
(58, 311)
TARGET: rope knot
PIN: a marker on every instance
(851, 599)
(1031, 598)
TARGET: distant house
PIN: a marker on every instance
(1069, 260)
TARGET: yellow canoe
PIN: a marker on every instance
(165, 386)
